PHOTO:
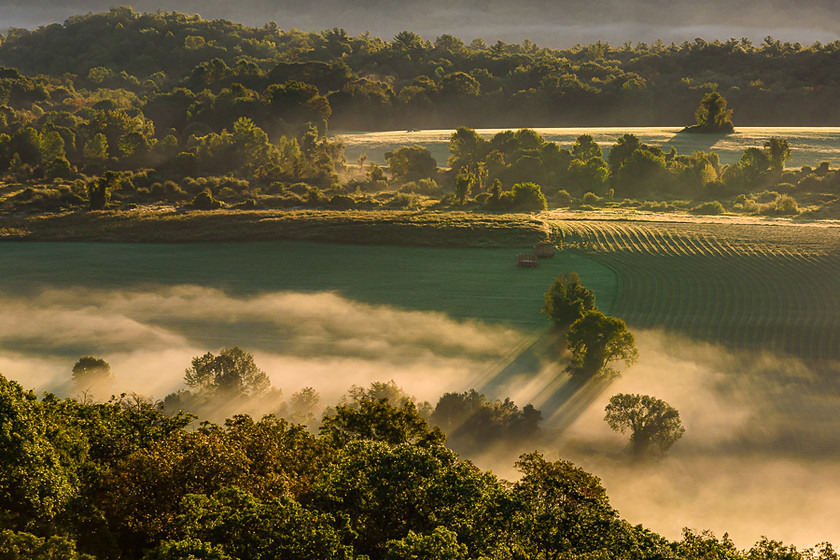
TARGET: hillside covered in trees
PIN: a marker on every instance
(86, 481)
(122, 110)
(181, 67)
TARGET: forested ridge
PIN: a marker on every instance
(409, 81)
(125, 110)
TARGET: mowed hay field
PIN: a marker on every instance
(757, 286)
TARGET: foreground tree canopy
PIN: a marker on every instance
(122, 480)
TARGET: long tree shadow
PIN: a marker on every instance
(535, 372)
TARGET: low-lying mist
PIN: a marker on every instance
(760, 456)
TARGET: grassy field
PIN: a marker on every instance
(381, 227)
(810, 146)
(755, 286)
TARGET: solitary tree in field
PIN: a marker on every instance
(567, 299)
(654, 424)
(595, 341)
(712, 114)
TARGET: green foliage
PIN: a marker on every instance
(99, 190)
(379, 420)
(205, 201)
(38, 479)
(595, 341)
(712, 114)
(567, 300)
(440, 544)
(25, 546)
(654, 424)
(230, 373)
(471, 423)
(411, 163)
(91, 372)
(711, 208)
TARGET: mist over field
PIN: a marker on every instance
(546, 23)
(760, 455)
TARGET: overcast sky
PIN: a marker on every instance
(554, 23)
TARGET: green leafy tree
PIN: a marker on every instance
(595, 341)
(379, 420)
(411, 163)
(712, 114)
(440, 544)
(90, 372)
(567, 300)
(778, 152)
(564, 511)
(654, 425)
(232, 372)
(99, 190)
(25, 546)
(249, 529)
(585, 148)
(464, 183)
(38, 478)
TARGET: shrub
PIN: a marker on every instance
(591, 199)
(562, 198)
(712, 208)
(205, 201)
(525, 196)
(786, 206)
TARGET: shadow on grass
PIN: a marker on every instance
(534, 372)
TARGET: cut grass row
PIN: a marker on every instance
(771, 288)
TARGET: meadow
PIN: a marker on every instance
(809, 145)
(737, 325)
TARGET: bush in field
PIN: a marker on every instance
(524, 196)
(591, 199)
(786, 206)
(562, 198)
(205, 201)
(567, 300)
(712, 208)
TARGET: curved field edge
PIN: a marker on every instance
(762, 287)
(410, 228)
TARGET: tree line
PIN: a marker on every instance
(410, 81)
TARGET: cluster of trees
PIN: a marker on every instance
(121, 479)
(213, 113)
(632, 170)
(408, 81)
(595, 340)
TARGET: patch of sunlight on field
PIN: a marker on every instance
(810, 146)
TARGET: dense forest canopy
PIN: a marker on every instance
(554, 24)
(410, 81)
(121, 108)
(122, 480)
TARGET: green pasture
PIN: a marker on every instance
(481, 284)
(810, 146)
(767, 288)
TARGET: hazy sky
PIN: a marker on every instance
(556, 23)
